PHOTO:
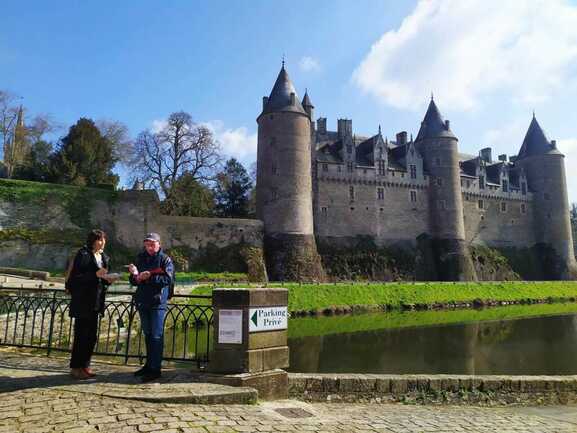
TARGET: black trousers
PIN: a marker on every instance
(85, 329)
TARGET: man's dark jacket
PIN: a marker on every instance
(86, 289)
(154, 292)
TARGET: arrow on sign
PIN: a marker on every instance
(253, 318)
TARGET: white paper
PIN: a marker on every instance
(230, 326)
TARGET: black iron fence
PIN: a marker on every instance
(38, 318)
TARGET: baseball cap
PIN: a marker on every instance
(152, 237)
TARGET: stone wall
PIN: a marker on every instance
(43, 234)
(394, 219)
(441, 388)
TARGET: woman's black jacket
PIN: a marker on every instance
(86, 289)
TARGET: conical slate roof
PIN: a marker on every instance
(279, 99)
(306, 101)
(433, 125)
(535, 142)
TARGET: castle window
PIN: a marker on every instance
(364, 171)
(505, 185)
(352, 209)
(523, 188)
(481, 204)
(274, 194)
(547, 196)
(439, 181)
(324, 211)
(503, 206)
(413, 195)
(339, 168)
(393, 173)
(413, 169)
(482, 182)
(351, 193)
(380, 152)
(382, 168)
(437, 161)
(402, 174)
(350, 167)
(523, 208)
(380, 193)
(325, 167)
(441, 204)
(468, 184)
(381, 210)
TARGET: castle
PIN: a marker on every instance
(332, 187)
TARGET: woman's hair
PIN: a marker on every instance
(93, 236)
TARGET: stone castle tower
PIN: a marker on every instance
(284, 184)
(544, 166)
(438, 146)
(344, 191)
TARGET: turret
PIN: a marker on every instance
(544, 167)
(308, 106)
(438, 146)
(284, 184)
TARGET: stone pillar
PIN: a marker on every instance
(250, 339)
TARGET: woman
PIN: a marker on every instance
(87, 282)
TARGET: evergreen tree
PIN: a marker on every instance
(188, 197)
(232, 189)
(36, 165)
(85, 157)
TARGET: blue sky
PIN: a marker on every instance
(489, 64)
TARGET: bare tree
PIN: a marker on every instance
(181, 146)
(8, 117)
(117, 133)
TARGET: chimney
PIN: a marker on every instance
(264, 101)
(503, 158)
(554, 144)
(447, 125)
(344, 128)
(486, 155)
(293, 98)
(401, 138)
(513, 158)
(322, 125)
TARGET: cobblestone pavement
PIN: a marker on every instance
(40, 407)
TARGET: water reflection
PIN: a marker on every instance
(538, 345)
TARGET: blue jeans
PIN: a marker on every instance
(152, 322)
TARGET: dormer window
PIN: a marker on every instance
(413, 170)
(505, 185)
(523, 188)
(482, 182)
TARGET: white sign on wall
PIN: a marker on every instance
(230, 326)
(267, 319)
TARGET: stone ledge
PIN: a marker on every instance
(453, 389)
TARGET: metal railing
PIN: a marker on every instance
(38, 319)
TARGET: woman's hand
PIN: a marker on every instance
(101, 272)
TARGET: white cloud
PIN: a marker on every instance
(463, 51)
(309, 64)
(158, 125)
(238, 142)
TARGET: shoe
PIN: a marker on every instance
(151, 375)
(89, 372)
(141, 372)
(79, 374)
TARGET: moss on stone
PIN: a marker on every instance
(52, 236)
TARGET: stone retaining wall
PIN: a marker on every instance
(440, 389)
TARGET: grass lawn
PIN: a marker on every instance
(320, 296)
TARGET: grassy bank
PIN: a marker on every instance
(315, 326)
(317, 297)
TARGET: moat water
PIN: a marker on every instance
(540, 345)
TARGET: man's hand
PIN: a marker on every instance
(143, 276)
(132, 269)
(101, 272)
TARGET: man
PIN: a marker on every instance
(152, 274)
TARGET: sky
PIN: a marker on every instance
(489, 64)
